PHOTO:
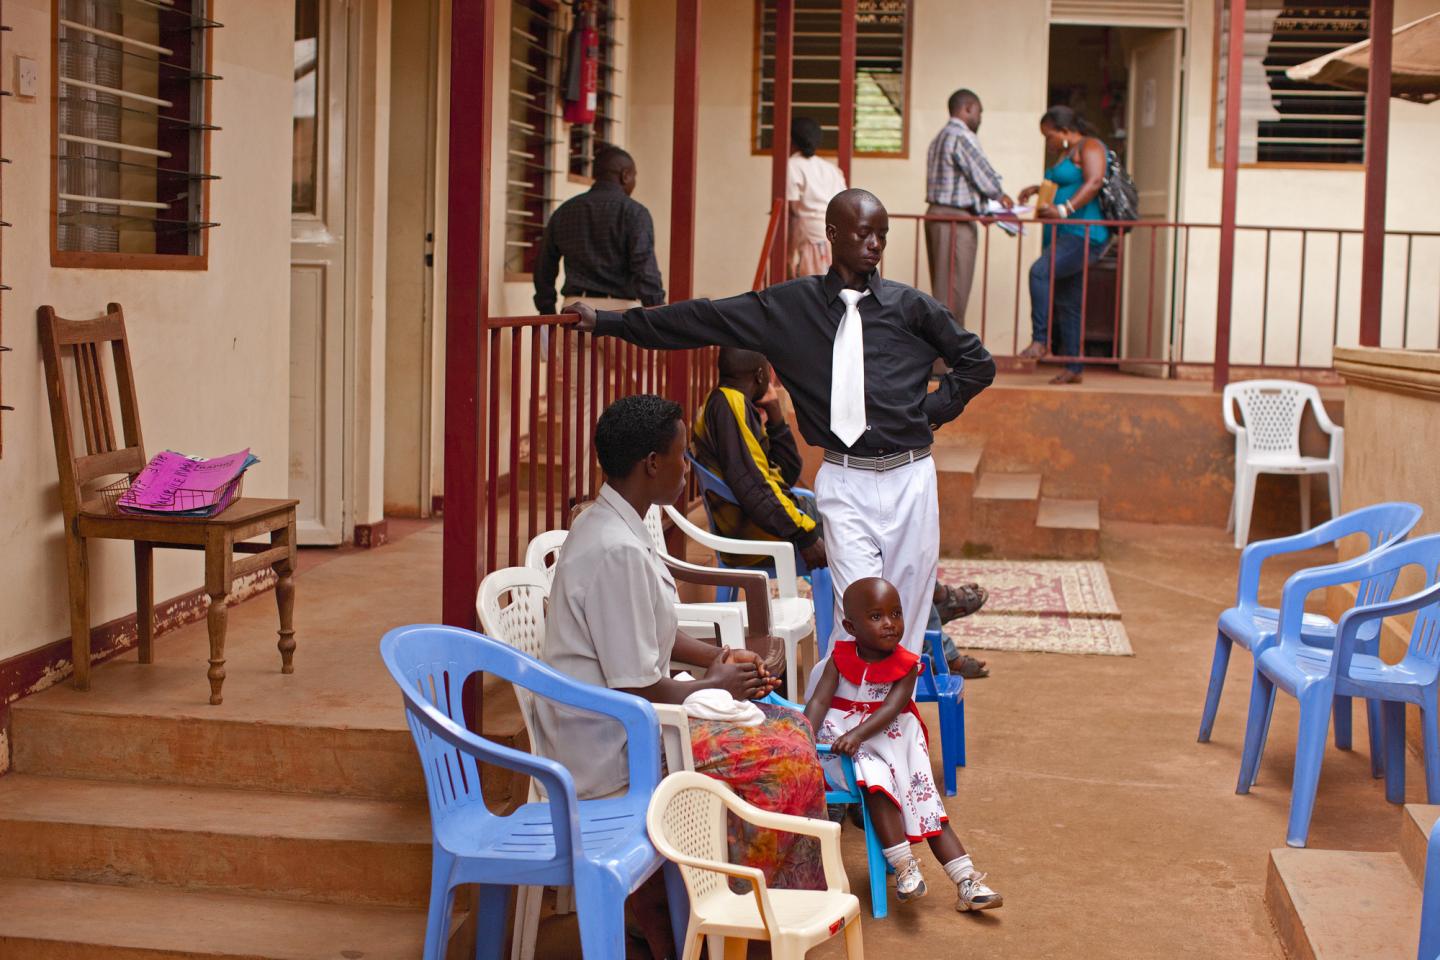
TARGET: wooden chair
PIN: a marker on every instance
(219, 536)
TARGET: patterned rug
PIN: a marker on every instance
(1045, 606)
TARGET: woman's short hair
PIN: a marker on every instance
(805, 134)
(1061, 117)
(631, 429)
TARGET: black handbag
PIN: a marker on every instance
(1119, 200)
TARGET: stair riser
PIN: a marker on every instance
(956, 491)
(1414, 845)
(1288, 926)
(371, 764)
(1006, 528)
(394, 874)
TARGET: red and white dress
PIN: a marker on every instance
(895, 761)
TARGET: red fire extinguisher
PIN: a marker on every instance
(582, 80)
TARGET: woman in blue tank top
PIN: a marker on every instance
(1079, 172)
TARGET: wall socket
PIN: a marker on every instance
(27, 77)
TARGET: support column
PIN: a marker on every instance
(467, 303)
(847, 87)
(1377, 153)
(780, 130)
(1225, 279)
(683, 171)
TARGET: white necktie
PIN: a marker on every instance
(847, 373)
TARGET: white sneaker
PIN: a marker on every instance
(975, 895)
(909, 881)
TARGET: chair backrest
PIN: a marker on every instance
(431, 664)
(544, 552)
(1383, 525)
(1430, 901)
(656, 529)
(710, 483)
(1271, 412)
(687, 817)
(511, 604)
(106, 453)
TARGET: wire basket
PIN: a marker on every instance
(184, 499)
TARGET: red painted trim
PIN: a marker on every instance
(35, 670)
(1377, 159)
(472, 31)
(1225, 280)
(684, 158)
(780, 129)
(371, 535)
(847, 86)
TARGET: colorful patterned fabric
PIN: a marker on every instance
(773, 766)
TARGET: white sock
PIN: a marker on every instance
(897, 854)
(959, 868)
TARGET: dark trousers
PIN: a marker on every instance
(1071, 256)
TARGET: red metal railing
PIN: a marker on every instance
(1296, 292)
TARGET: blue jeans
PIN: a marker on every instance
(1071, 257)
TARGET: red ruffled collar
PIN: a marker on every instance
(857, 671)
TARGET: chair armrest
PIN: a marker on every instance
(1305, 582)
(781, 553)
(1227, 408)
(1348, 630)
(726, 620)
(752, 583)
(1253, 557)
(675, 736)
(1322, 416)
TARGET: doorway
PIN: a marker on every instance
(1126, 82)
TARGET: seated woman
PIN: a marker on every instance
(612, 623)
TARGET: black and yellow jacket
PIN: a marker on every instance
(759, 464)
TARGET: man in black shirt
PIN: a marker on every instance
(855, 351)
(606, 239)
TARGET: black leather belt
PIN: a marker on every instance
(593, 295)
(878, 464)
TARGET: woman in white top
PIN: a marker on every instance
(812, 183)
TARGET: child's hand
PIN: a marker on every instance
(847, 743)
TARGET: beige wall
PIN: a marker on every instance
(210, 355)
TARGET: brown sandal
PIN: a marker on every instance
(968, 667)
(962, 601)
(1035, 351)
(1067, 376)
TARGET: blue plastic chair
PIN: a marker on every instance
(1430, 901)
(599, 846)
(1252, 626)
(822, 590)
(939, 686)
(1315, 675)
(844, 794)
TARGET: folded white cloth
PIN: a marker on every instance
(719, 705)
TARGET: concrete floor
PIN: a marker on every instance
(1109, 830)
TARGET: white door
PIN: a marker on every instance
(1153, 162)
(317, 272)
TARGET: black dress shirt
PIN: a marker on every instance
(608, 242)
(794, 323)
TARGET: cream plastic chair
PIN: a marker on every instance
(687, 825)
(1268, 441)
(792, 617)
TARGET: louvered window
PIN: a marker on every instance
(1283, 121)
(882, 47)
(529, 176)
(132, 126)
(588, 139)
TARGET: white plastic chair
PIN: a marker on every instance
(1268, 441)
(686, 820)
(792, 617)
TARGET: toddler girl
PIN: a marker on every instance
(864, 706)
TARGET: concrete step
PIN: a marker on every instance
(283, 757)
(1415, 829)
(1068, 529)
(50, 920)
(957, 467)
(333, 849)
(1010, 519)
(1340, 905)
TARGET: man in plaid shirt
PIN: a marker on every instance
(958, 181)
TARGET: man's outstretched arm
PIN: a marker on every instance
(733, 322)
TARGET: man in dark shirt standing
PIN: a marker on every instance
(855, 352)
(607, 241)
